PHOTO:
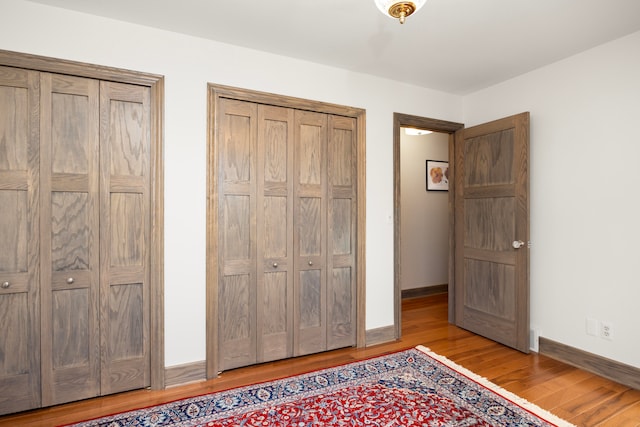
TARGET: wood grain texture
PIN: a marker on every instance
(14, 232)
(342, 226)
(489, 159)
(580, 397)
(75, 68)
(70, 130)
(341, 308)
(14, 120)
(266, 98)
(277, 222)
(310, 227)
(14, 316)
(310, 231)
(69, 237)
(127, 312)
(616, 371)
(283, 169)
(127, 229)
(185, 373)
(491, 215)
(274, 231)
(156, 249)
(492, 278)
(342, 154)
(125, 233)
(237, 180)
(490, 288)
(237, 318)
(236, 237)
(19, 220)
(71, 231)
(66, 157)
(342, 238)
(275, 307)
(129, 143)
(71, 328)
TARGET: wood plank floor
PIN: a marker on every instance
(575, 395)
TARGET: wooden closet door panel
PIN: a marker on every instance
(237, 238)
(124, 236)
(19, 226)
(274, 222)
(341, 236)
(69, 238)
(310, 227)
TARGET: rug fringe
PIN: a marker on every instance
(531, 407)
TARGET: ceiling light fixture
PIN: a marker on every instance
(416, 132)
(399, 9)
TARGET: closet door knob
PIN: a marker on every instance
(310, 262)
(70, 280)
(275, 265)
(5, 285)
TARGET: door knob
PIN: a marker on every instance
(310, 262)
(5, 285)
(275, 265)
(70, 280)
(517, 244)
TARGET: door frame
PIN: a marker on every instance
(214, 93)
(155, 83)
(405, 120)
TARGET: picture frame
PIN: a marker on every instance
(437, 174)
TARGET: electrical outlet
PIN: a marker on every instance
(606, 330)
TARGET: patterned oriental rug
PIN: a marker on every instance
(415, 387)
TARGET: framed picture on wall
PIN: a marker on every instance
(437, 175)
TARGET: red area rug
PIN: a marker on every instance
(410, 388)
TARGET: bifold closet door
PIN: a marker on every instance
(274, 228)
(94, 233)
(237, 183)
(69, 238)
(310, 231)
(19, 225)
(286, 192)
(75, 229)
(341, 236)
(255, 322)
(125, 229)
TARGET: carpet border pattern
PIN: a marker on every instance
(492, 404)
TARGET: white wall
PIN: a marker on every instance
(424, 250)
(585, 192)
(188, 64)
(584, 113)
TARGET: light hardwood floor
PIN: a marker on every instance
(575, 395)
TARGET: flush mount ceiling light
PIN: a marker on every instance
(399, 9)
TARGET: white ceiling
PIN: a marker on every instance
(456, 46)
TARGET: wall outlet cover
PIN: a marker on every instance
(592, 326)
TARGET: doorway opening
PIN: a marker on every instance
(422, 266)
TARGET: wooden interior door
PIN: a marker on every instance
(492, 230)
(310, 231)
(69, 238)
(19, 226)
(274, 223)
(341, 232)
(237, 233)
(125, 230)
